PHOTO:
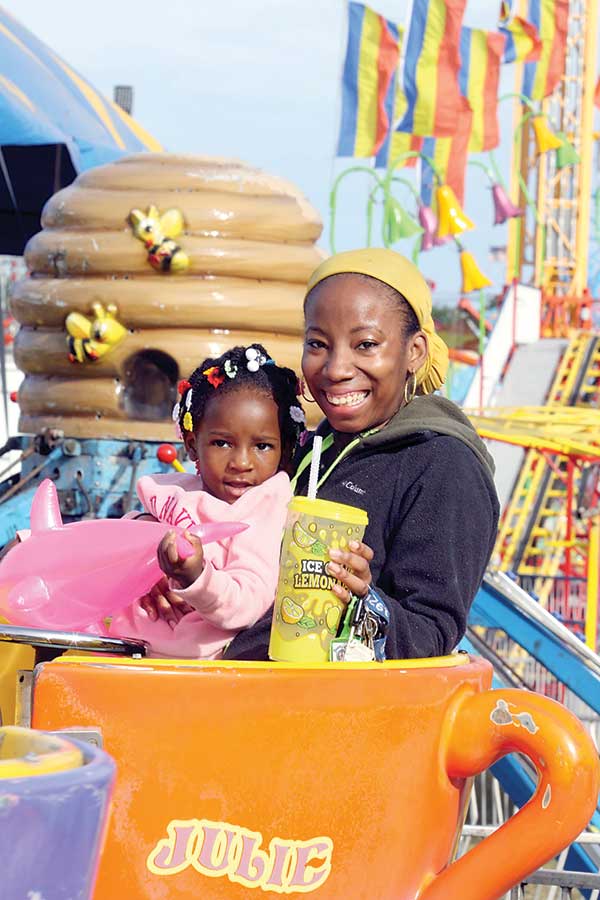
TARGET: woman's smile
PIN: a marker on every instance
(348, 398)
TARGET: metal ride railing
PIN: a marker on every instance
(567, 600)
(489, 807)
(530, 607)
(45, 639)
(547, 883)
(570, 884)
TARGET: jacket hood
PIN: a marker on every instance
(419, 420)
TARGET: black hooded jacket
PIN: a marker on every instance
(426, 483)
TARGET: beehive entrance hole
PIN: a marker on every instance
(150, 388)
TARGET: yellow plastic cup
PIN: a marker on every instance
(307, 613)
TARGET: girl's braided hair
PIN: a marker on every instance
(243, 367)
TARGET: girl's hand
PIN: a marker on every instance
(185, 571)
(351, 567)
(161, 603)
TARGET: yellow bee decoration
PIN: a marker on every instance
(89, 339)
(157, 233)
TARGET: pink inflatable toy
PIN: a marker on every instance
(70, 577)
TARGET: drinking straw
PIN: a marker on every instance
(313, 475)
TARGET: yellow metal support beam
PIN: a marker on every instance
(548, 247)
(532, 534)
(591, 611)
(585, 147)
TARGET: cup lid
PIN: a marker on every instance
(330, 509)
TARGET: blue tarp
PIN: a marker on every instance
(53, 124)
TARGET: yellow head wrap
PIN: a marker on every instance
(397, 271)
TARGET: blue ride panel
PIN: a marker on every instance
(494, 608)
(94, 479)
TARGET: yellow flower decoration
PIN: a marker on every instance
(188, 423)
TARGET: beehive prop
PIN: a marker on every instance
(246, 250)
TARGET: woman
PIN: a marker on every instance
(412, 460)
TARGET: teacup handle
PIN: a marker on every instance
(484, 727)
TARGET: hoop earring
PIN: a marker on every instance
(409, 393)
(302, 390)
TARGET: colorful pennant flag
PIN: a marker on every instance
(431, 68)
(550, 18)
(523, 42)
(397, 142)
(449, 156)
(476, 127)
(368, 82)
(481, 54)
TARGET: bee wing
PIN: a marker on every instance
(171, 223)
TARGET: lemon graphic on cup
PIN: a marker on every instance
(301, 537)
(332, 619)
(291, 612)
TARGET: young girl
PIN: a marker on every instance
(240, 419)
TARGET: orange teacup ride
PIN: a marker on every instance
(345, 780)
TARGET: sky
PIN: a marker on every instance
(257, 80)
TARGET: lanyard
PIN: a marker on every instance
(327, 442)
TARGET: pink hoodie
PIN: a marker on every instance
(240, 574)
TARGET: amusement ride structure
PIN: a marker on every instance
(548, 536)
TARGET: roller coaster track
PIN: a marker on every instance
(533, 533)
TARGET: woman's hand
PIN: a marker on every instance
(162, 603)
(351, 567)
(185, 571)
